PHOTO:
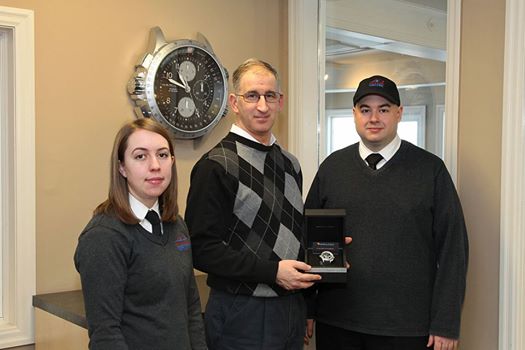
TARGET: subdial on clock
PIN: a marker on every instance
(186, 107)
(201, 90)
(187, 70)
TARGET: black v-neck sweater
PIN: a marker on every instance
(409, 251)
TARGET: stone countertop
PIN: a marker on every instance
(69, 305)
(66, 305)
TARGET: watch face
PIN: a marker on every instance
(186, 88)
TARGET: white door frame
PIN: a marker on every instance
(19, 212)
(512, 229)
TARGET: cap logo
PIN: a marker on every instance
(377, 83)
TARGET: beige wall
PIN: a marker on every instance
(85, 54)
(480, 119)
(53, 333)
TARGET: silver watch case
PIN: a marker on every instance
(141, 85)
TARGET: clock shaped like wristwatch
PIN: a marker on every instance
(181, 84)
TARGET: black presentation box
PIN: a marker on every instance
(325, 243)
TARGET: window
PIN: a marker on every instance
(309, 96)
(355, 50)
(341, 130)
(17, 176)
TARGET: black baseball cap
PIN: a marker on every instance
(377, 85)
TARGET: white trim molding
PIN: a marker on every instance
(303, 101)
(512, 232)
(18, 228)
(450, 146)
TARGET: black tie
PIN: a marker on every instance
(373, 159)
(153, 218)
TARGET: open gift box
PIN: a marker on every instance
(325, 244)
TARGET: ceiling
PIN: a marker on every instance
(435, 4)
(343, 46)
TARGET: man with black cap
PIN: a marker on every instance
(409, 254)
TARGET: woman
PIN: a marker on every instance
(136, 270)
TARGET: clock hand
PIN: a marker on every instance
(186, 86)
(176, 83)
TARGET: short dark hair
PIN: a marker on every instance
(253, 64)
(117, 202)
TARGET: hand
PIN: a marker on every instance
(309, 331)
(176, 83)
(442, 343)
(290, 275)
(186, 85)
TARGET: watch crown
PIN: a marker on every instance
(137, 92)
(136, 87)
(137, 83)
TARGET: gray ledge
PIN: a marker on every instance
(65, 305)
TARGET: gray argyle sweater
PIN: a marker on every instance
(244, 213)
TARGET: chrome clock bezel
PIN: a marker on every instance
(141, 87)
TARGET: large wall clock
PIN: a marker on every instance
(181, 84)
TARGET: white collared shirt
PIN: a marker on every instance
(140, 211)
(241, 132)
(387, 152)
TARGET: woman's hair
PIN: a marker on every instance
(118, 198)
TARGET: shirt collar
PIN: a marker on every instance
(241, 132)
(387, 152)
(139, 209)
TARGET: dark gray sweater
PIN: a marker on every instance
(139, 289)
(409, 251)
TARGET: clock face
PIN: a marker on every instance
(187, 88)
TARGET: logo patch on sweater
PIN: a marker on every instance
(182, 243)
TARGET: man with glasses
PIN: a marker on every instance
(245, 215)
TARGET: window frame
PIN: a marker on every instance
(18, 183)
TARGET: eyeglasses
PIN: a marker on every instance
(254, 96)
